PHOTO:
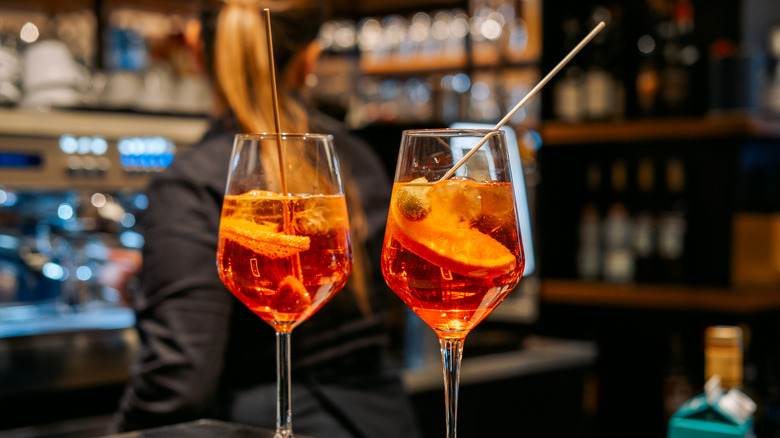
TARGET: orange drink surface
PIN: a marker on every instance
(452, 250)
(284, 256)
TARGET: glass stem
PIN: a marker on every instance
(283, 385)
(451, 353)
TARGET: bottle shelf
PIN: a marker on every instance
(661, 296)
(644, 130)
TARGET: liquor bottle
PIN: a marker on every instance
(645, 223)
(723, 355)
(589, 253)
(672, 225)
(681, 55)
(569, 100)
(618, 258)
(650, 62)
(602, 90)
(723, 410)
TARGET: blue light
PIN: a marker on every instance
(131, 239)
(127, 220)
(141, 201)
(53, 271)
(68, 144)
(533, 140)
(99, 146)
(83, 273)
(137, 146)
(461, 82)
(123, 146)
(65, 211)
(84, 145)
(166, 160)
(9, 242)
(156, 145)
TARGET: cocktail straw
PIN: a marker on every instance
(274, 97)
(528, 97)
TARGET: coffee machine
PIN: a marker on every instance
(71, 194)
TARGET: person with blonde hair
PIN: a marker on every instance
(203, 354)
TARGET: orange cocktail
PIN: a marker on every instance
(284, 257)
(452, 251)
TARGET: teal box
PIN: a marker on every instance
(698, 418)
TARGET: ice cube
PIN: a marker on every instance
(456, 201)
(312, 217)
(497, 206)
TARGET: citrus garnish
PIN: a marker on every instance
(292, 296)
(262, 241)
(453, 245)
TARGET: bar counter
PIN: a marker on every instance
(206, 428)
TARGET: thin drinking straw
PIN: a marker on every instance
(531, 94)
(275, 98)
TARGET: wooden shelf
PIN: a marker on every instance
(632, 131)
(661, 297)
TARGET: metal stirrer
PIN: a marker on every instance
(275, 98)
(531, 94)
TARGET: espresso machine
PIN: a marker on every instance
(71, 192)
(71, 201)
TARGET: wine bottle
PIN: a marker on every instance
(645, 223)
(589, 252)
(672, 225)
(618, 258)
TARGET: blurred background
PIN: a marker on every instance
(651, 166)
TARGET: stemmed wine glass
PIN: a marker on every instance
(284, 241)
(452, 248)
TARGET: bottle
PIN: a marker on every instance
(723, 410)
(650, 62)
(568, 94)
(681, 55)
(645, 229)
(672, 225)
(589, 252)
(600, 88)
(723, 355)
(618, 258)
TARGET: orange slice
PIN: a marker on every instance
(292, 296)
(460, 249)
(266, 243)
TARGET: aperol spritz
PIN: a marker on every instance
(284, 244)
(452, 249)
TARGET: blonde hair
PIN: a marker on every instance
(242, 72)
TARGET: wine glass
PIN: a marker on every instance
(452, 248)
(284, 241)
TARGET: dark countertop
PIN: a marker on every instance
(201, 429)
